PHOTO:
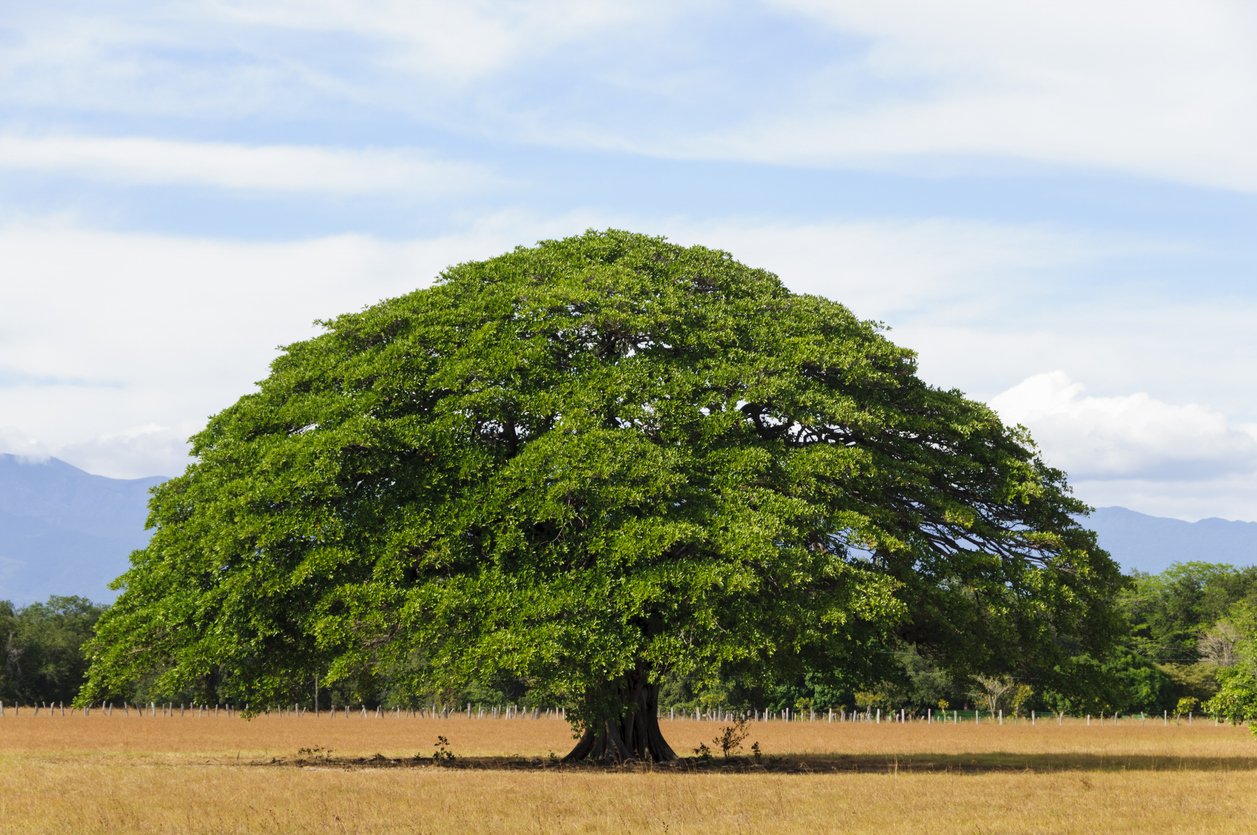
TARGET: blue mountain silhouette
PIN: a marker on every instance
(64, 531)
(1152, 543)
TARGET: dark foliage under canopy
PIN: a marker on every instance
(590, 464)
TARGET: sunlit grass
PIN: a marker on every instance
(190, 775)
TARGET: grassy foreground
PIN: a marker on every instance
(220, 775)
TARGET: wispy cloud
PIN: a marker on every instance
(1165, 90)
(887, 269)
(286, 168)
(457, 41)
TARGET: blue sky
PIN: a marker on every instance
(1053, 203)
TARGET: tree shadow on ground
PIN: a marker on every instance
(995, 762)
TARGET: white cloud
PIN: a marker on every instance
(15, 442)
(233, 166)
(1167, 89)
(1128, 437)
(135, 452)
(217, 58)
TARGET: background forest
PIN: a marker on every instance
(1190, 644)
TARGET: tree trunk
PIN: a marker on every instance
(633, 734)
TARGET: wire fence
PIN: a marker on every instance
(516, 712)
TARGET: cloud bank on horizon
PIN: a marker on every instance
(1051, 202)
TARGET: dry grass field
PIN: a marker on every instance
(218, 775)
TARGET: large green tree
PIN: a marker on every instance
(591, 464)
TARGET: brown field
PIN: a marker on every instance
(220, 775)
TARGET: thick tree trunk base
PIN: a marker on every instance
(634, 735)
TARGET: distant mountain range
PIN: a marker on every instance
(67, 532)
(64, 531)
(1153, 543)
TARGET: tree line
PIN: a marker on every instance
(43, 649)
(1189, 643)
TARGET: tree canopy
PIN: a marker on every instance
(590, 464)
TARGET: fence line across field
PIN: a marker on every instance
(511, 711)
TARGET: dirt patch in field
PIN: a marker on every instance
(908, 764)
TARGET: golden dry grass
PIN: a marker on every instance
(188, 775)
